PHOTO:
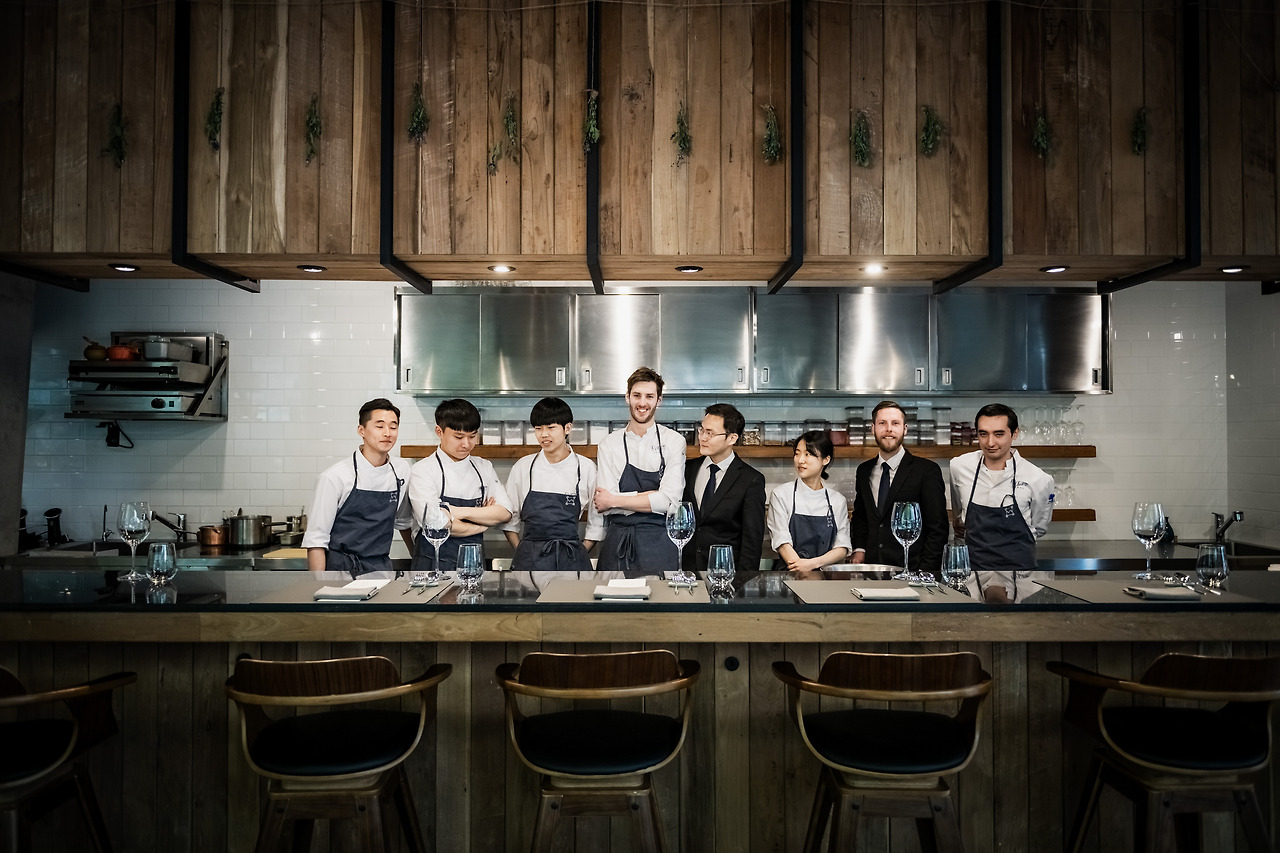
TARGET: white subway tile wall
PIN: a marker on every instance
(305, 355)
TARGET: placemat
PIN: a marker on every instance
(393, 593)
(582, 591)
(837, 592)
(1111, 591)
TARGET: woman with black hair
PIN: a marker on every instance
(809, 523)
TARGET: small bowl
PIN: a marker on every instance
(118, 352)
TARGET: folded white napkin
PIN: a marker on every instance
(1163, 593)
(357, 590)
(624, 588)
(885, 593)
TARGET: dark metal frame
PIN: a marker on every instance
(796, 133)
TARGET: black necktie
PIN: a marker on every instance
(883, 494)
(711, 484)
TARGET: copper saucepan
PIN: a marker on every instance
(212, 534)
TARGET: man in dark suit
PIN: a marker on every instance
(727, 493)
(894, 475)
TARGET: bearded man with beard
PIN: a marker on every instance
(890, 476)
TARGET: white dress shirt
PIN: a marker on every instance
(334, 486)
(807, 502)
(460, 481)
(646, 452)
(704, 475)
(560, 478)
(878, 470)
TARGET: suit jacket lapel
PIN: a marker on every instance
(727, 478)
(896, 485)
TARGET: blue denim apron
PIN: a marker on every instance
(998, 537)
(811, 535)
(550, 540)
(360, 538)
(638, 542)
(449, 548)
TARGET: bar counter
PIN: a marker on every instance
(175, 779)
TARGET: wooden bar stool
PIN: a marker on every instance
(1178, 760)
(39, 766)
(341, 762)
(597, 760)
(888, 762)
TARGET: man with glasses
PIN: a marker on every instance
(727, 493)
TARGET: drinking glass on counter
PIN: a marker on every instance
(162, 565)
(1148, 526)
(905, 525)
(470, 566)
(955, 566)
(720, 567)
(436, 526)
(134, 524)
(680, 525)
(1211, 565)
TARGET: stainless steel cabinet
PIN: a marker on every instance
(982, 341)
(614, 334)
(884, 342)
(705, 339)
(524, 342)
(1065, 342)
(439, 342)
(797, 341)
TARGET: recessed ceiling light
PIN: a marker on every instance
(873, 269)
(311, 268)
(502, 268)
(1055, 269)
(123, 267)
(1238, 268)
(688, 268)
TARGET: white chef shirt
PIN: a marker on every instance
(1033, 492)
(459, 482)
(646, 452)
(334, 486)
(704, 476)
(807, 502)
(559, 477)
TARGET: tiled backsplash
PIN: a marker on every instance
(305, 355)
(1253, 411)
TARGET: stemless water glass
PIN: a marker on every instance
(1211, 565)
(1148, 526)
(955, 566)
(680, 525)
(436, 526)
(162, 565)
(134, 524)
(470, 566)
(905, 525)
(720, 567)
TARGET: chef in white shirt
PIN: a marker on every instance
(549, 489)
(361, 501)
(640, 474)
(809, 523)
(1001, 505)
(452, 477)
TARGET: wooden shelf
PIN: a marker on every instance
(776, 451)
(1074, 515)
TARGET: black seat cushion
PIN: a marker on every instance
(29, 746)
(1190, 738)
(598, 742)
(889, 741)
(334, 742)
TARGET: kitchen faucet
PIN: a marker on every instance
(180, 527)
(1220, 525)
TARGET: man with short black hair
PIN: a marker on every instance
(727, 493)
(890, 476)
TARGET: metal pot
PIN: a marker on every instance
(212, 534)
(250, 531)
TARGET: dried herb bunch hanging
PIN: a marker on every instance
(512, 125)
(591, 121)
(117, 146)
(1041, 133)
(930, 131)
(419, 121)
(312, 128)
(213, 121)
(495, 154)
(860, 139)
(772, 147)
(1139, 134)
(682, 139)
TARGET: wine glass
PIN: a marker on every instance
(437, 523)
(1211, 565)
(720, 568)
(1148, 526)
(955, 566)
(134, 524)
(680, 525)
(470, 566)
(905, 525)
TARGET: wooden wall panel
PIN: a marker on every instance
(139, 89)
(902, 122)
(102, 191)
(12, 30)
(71, 87)
(270, 128)
(537, 113)
(1027, 188)
(162, 156)
(504, 45)
(238, 130)
(669, 48)
(968, 151)
(471, 142)
(866, 56)
(1163, 86)
(366, 112)
(1094, 116)
(1128, 171)
(39, 63)
(569, 166)
(933, 88)
(337, 94)
(625, 97)
(707, 98)
(1059, 29)
(301, 179)
(405, 187)
(437, 202)
(770, 201)
(832, 107)
(205, 166)
(740, 114)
